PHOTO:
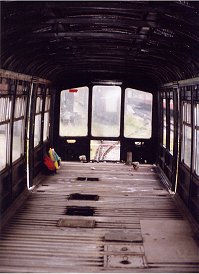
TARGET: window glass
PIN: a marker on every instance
(196, 149)
(18, 140)
(187, 145)
(197, 115)
(74, 112)
(18, 128)
(46, 119)
(37, 130)
(5, 109)
(3, 145)
(171, 126)
(137, 114)
(47, 103)
(164, 122)
(106, 107)
(17, 107)
(5, 113)
(186, 138)
(197, 152)
(188, 112)
(39, 104)
(46, 126)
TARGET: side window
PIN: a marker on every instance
(164, 123)
(196, 131)
(186, 133)
(18, 127)
(74, 112)
(137, 114)
(46, 118)
(171, 126)
(167, 117)
(37, 127)
(5, 115)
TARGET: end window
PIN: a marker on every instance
(74, 112)
(137, 114)
(106, 108)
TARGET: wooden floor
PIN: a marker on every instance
(136, 225)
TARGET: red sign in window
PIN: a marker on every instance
(73, 90)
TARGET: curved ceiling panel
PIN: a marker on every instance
(148, 41)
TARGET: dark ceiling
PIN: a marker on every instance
(146, 42)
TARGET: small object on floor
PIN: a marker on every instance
(135, 165)
(82, 158)
(48, 165)
(54, 157)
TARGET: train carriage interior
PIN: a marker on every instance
(113, 88)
